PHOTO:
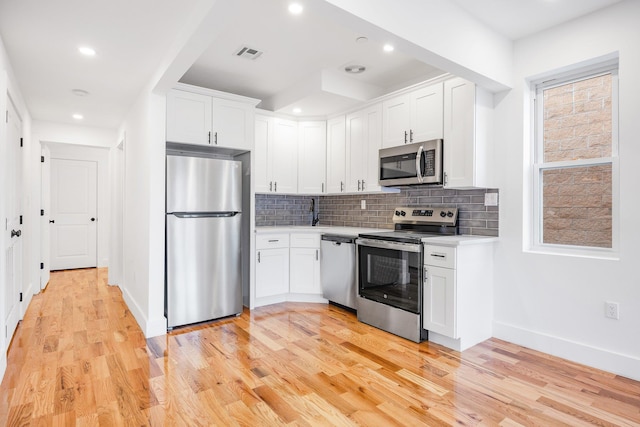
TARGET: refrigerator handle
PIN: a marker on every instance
(258, 256)
(205, 214)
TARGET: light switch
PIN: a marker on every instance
(491, 199)
(363, 204)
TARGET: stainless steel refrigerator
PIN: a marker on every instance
(203, 260)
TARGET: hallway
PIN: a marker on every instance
(79, 358)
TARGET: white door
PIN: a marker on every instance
(45, 203)
(336, 154)
(356, 140)
(189, 118)
(73, 212)
(263, 140)
(232, 124)
(372, 145)
(272, 272)
(426, 113)
(397, 121)
(284, 156)
(304, 271)
(13, 223)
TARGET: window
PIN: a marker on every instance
(575, 161)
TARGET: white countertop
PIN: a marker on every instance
(355, 231)
(458, 240)
(322, 229)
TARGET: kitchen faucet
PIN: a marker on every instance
(315, 219)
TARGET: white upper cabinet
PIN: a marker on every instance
(189, 117)
(276, 155)
(363, 141)
(312, 157)
(194, 118)
(232, 124)
(336, 155)
(413, 117)
(467, 146)
(263, 139)
(284, 156)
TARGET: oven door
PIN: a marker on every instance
(390, 273)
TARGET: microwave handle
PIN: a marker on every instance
(419, 163)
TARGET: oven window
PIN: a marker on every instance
(391, 277)
(394, 167)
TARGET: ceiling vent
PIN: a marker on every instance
(248, 52)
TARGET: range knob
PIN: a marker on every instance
(443, 214)
(403, 213)
(397, 213)
(449, 214)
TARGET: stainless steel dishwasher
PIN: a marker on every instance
(338, 269)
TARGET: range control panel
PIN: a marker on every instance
(425, 215)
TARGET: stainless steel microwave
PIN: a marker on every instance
(411, 164)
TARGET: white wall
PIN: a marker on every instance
(8, 86)
(556, 303)
(143, 276)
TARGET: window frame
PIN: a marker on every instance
(538, 165)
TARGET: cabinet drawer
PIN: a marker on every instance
(305, 240)
(270, 241)
(440, 256)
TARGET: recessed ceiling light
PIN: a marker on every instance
(87, 51)
(80, 92)
(78, 116)
(295, 8)
(297, 110)
(362, 40)
(388, 47)
(355, 69)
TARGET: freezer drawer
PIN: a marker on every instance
(204, 277)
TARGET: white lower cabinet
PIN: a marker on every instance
(272, 265)
(457, 296)
(287, 268)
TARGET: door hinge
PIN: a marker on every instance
(41, 159)
(20, 296)
(42, 266)
(21, 142)
(41, 212)
(20, 219)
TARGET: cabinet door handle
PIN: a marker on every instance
(258, 257)
(358, 185)
(274, 240)
(322, 188)
(341, 186)
(424, 273)
(209, 138)
(437, 255)
(444, 181)
(275, 186)
(363, 185)
(215, 138)
(410, 135)
(405, 136)
(317, 255)
(270, 185)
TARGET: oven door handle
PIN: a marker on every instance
(396, 246)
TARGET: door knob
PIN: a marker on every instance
(52, 221)
(93, 219)
(15, 233)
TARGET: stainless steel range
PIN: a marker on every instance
(390, 269)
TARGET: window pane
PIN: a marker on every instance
(577, 120)
(576, 206)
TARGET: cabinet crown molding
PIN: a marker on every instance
(216, 93)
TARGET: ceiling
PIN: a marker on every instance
(302, 64)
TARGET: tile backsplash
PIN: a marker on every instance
(345, 210)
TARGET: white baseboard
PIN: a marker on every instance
(150, 327)
(600, 358)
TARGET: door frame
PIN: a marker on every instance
(100, 155)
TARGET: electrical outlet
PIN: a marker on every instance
(363, 204)
(612, 310)
(491, 199)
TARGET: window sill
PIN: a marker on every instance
(576, 252)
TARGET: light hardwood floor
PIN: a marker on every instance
(79, 358)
